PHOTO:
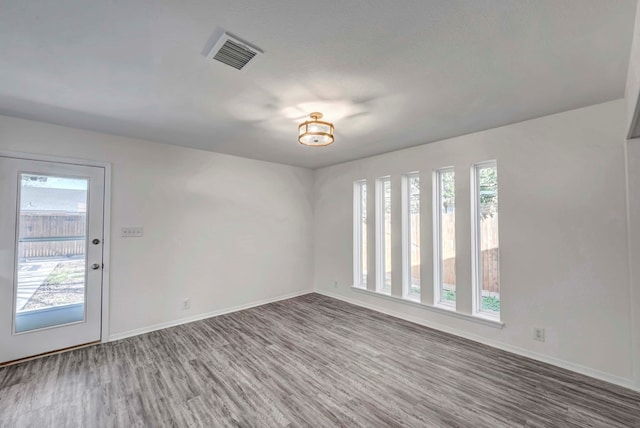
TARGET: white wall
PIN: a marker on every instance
(632, 99)
(633, 171)
(227, 231)
(563, 235)
(632, 89)
(222, 230)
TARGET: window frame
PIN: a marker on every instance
(476, 243)
(358, 234)
(381, 234)
(406, 235)
(438, 261)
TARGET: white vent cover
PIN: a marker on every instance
(233, 52)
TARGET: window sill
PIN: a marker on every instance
(412, 298)
(441, 309)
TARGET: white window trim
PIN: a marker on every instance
(380, 234)
(437, 238)
(406, 237)
(357, 234)
(476, 250)
(446, 310)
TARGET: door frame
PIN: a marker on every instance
(106, 233)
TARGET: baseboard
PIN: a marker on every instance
(587, 371)
(143, 330)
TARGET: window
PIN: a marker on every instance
(485, 249)
(383, 235)
(444, 220)
(485, 238)
(411, 235)
(360, 234)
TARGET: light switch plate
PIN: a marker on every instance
(131, 232)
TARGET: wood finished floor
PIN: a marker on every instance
(307, 361)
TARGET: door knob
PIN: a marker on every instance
(96, 241)
(95, 266)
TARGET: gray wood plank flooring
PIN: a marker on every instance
(307, 361)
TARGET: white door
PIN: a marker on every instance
(51, 233)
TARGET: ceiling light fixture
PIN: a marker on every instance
(315, 132)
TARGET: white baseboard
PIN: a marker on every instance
(143, 330)
(587, 371)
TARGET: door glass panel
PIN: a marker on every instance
(51, 270)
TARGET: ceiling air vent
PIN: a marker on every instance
(233, 52)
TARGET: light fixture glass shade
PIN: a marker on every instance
(315, 132)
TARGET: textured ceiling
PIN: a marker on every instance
(389, 74)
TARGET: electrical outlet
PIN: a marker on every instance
(131, 232)
(538, 334)
(186, 304)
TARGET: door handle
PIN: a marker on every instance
(95, 266)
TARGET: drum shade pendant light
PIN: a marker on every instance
(315, 132)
